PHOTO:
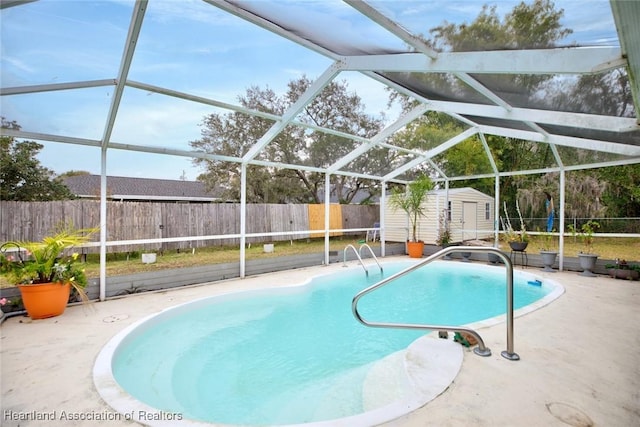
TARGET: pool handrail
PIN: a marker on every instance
(344, 258)
(364, 245)
(481, 349)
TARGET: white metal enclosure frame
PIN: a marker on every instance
(482, 106)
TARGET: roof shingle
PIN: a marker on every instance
(126, 188)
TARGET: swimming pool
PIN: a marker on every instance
(296, 354)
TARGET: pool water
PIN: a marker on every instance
(297, 354)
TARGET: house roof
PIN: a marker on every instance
(144, 189)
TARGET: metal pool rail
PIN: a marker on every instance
(373, 255)
(359, 256)
(481, 349)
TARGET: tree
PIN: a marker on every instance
(611, 191)
(234, 134)
(22, 177)
(623, 198)
(528, 26)
(74, 173)
(456, 162)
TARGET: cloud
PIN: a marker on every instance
(61, 41)
(172, 11)
(158, 120)
(17, 64)
(168, 124)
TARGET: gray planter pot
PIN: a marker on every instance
(518, 246)
(626, 274)
(587, 263)
(548, 260)
(493, 258)
(444, 246)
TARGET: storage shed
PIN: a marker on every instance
(470, 213)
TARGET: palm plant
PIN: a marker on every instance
(411, 201)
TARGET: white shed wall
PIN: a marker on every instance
(397, 227)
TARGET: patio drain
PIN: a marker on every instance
(569, 414)
(115, 318)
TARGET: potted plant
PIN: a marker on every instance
(411, 201)
(623, 270)
(586, 256)
(518, 239)
(45, 271)
(548, 251)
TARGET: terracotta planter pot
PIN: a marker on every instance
(414, 249)
(45, 299)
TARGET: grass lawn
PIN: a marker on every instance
(122, 263)
(119, 264)
(627, 248)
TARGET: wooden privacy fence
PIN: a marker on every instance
(144, 220)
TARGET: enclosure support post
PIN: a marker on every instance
(561, 221)
(243, 217)
(327, 222)
(447, 212)
(496, 213)
(103, 223)
(383, 206)
(125, 64)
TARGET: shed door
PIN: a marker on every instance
(469, 220)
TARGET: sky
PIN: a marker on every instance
(193, 47)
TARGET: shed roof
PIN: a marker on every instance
(460, 191)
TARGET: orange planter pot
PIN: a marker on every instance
(45, 299)
(415, 249)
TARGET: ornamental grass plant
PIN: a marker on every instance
(511, 234)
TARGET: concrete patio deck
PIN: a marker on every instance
(580, 360)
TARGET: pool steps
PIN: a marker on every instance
(359, 255)
(412, 377)
(481, 349)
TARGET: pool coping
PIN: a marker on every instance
(576, 360)
(425, 385)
